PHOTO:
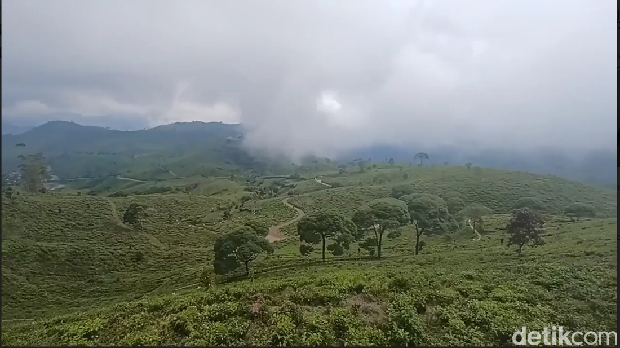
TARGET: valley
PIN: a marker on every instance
(77, 270)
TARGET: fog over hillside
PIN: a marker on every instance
(325, 77)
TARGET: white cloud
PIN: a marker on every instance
(505, 74)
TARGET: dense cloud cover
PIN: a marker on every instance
(324, 76)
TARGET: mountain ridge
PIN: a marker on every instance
(186, 139)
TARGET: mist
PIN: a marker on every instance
(323, 78)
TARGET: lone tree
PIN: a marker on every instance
(428, 213)
(525, 227)
(579, 210)
(421, 156)
(530, 202)
(241, 246)
(468, 165)
(317, 228)
(380, 216)
(391, 161)
(134, 214)
(475, 213)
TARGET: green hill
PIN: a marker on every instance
(70, 254)
(497, 189)
(468, 293)
(185, 149)
(62, 253)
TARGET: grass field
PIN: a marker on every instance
(69, 263)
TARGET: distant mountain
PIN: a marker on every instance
(9, 128)
(194, 148)
(215, 149)
(117, 122)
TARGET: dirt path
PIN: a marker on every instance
(115, 215)
(171, 173)
(322, 183)
(275, 233)
(128, 179)
(478, 236)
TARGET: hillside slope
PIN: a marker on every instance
(469, 293)
(63, 253)
(497, 189)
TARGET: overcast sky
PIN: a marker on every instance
(324, 75)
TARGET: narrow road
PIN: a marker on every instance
(275, 233)
(128, 179)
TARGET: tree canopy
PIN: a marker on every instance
(428, 214)
(380, 216)
(525, 228)
(579, 210)
(241, 246)
(318, 227)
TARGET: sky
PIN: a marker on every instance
(322, 76)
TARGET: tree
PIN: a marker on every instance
(362, 165)
(402, 190)
(258, 226)
(134, 214)
(579, 210)
(529, 202)
(525, 227)
(420, 156)
(380, 216)
(9, 193)
(475, 213)
(33, 171)
(428, 213)
(468, 165)
(318, 227)
(391, 161)
(455, 204)
(241, 246)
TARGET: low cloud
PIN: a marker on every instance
(322, 77)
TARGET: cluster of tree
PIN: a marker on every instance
(371, 224)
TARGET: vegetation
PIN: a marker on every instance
(240, 246)
(525, 228)
(317, 228)
(454, 294)
(381, 216)
(182, 259)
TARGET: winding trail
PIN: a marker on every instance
(275, 233)
(478, 236)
